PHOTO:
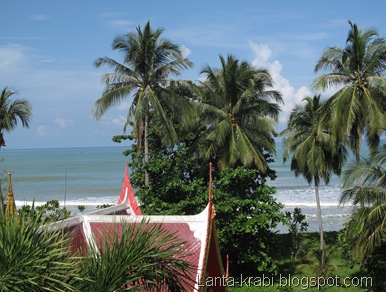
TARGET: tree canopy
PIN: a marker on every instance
(11, 111)
(239, 109)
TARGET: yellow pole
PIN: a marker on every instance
(11, 210)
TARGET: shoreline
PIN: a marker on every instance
(333, 218)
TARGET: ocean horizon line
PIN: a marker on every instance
(5, 149)
(277, 141)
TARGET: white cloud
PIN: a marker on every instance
(11, 56)
(291, 95)
(115, 121)
(208, 35)
(185, 51)
(124, 106)
(116, 20)
(111, 14)
(38, 17)
(43, 130)
(335, 23)
(263, 53)
(63, 123)
(119, 121)
(315, 36)
(119, 23)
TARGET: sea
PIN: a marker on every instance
(93, 176)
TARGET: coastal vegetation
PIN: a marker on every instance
(148, 62)
(238, 109)
(229, 118)
(11, 111)
(366, 182)
(300, 273)
(30, 259)
(357, 108)
(246, 211)
(146, 257)
(235, 131)
(33, 258)
(313, 151)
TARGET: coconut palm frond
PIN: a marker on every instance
(12, 111)
(238, 95)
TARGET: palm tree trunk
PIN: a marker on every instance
(356, 150)
(357, 163)
(320, 221)
(146, 149)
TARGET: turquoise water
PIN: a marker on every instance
(78, 176)
(93, 176)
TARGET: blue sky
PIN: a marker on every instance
(47, 50)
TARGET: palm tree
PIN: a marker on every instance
(314, 153)
(358, 108)
(148, 61)
(11, 111)
(366, 182)
(139, 255)
(240, 111)
(33, 259)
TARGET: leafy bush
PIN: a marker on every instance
(46, 213)
(296, 224)
(245, 208)
(246, 213)
(375, 267)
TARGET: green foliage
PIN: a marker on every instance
(149, 60)
(2, 202)
(144, 256)
(358, 108)
(365, 183)
(306, 265)
(245, 207)
(296, 224)
(178, 182)
(32, 259)
(346, 247)
(314, 153)
(296, 221)
(245, 214)
(81, 208)
(311, 146)
(46, 213)
(119, 138)
(375, 267)
(11, 111)
(239, 110)
(318, 263)
(103, 206)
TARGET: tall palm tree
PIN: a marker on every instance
(314, 153)
(11, 111)
(148, 62)
(366, 182)
(240, 111)
(358, 108)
